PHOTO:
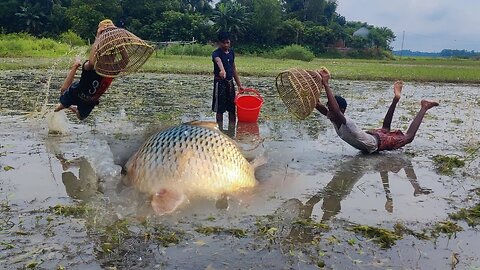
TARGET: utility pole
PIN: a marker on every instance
(403, 39)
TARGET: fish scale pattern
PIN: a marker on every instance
(191, 159)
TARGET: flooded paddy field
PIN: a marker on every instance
(320, 203)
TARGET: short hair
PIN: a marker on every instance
(342, 103)
(222, 36)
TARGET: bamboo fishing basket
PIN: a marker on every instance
(119, 52)
(299, 90)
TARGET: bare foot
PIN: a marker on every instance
(73, 109)
(421, 191)
(397, 89)
(59, 108)
(427, 104)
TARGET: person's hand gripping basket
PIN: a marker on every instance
(299, 90)
(119, 52)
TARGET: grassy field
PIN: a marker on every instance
(407, 69)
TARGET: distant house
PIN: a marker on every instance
(362, 32)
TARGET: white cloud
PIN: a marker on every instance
(429, 25)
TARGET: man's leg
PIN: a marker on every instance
(75, 110)
(413, 128)
(397, 90)
(386, 188)
(412, 177)
(219, 118)
(232, 118)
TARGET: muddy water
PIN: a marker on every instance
(310, 175)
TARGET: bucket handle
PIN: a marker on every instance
(250, 90)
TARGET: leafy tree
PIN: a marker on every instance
(290, 32)
(338, 32)
(294, 9)
(201, 6)
(340, 20)
(8, 19)
(147, 11)
(232, 17)
(357, 42)
(318, 37)
(330, 10)
(258, 24)
(314, 11)
(58, 21)
(266, 18)
(180, 26)
(32, 17)
(382, 37)
(85, 15)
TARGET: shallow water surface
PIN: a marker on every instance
(311, 179)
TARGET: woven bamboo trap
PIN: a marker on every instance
(120, 52)
(299, 90)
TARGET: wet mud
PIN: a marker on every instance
(319, 203)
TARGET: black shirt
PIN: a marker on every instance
(92, 85)
(227, 61)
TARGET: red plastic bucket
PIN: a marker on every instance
(248, 106)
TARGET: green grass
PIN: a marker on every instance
(407, 69)
(422, 70)
(24, 45)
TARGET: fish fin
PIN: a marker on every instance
(165, 201)
(206, 124)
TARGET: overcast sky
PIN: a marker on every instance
(429, 25)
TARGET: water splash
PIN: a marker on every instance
(58, 123)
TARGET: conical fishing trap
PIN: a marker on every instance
(120, 52)
(299, 90)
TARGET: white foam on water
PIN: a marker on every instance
(58, 123)
(100, 156)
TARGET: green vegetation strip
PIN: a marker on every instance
(208, 230)
(471, 215)
(407, 69)
(445, 164)
(385, 238)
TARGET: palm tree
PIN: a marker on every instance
(32, 17)
(202, 6)
(231, 17)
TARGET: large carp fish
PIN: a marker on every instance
(191, 159)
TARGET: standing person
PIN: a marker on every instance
(82, 96)
(377, 139)
(225, 72)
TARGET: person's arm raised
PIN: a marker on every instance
(71, 75)
(90, 64)
(321, 108)
(336, 114)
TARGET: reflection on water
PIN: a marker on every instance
(347, 174)
(247, 131)
(85, 185)
(350, 171)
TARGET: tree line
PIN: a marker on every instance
(445, 53)
(255, 25)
